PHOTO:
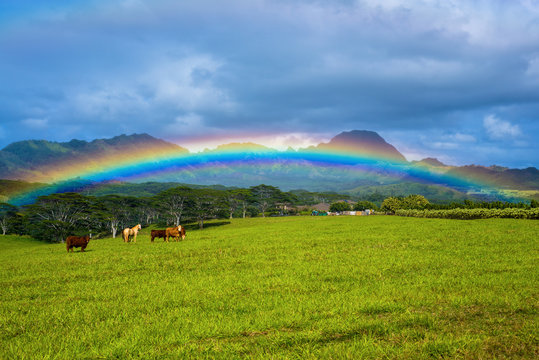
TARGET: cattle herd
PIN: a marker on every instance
(129, 234)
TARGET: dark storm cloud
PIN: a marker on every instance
(430, 76)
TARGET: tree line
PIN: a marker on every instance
(56, 216)
(419, 202)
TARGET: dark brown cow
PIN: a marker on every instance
(159, 234)
(176, 232)
(77, 241)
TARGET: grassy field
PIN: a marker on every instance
(295, 287)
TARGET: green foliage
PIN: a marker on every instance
(174, 202)
(364, 205)
(305, 197)
(391, 204)
(238, 199)
(205, 204)
(339, 206)
(377, 193)
(52, 218)
(350, 287)
(414, 202)
(267, 197)
(469, 214)
(7, 215)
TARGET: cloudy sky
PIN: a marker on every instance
(453, 79)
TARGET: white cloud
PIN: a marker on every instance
(445, 145)
(188, 121)
(533, 67)
(463, 138)
(185, 126)
(187, 83)
(184, 84)
(108, 101)
(498, 129)
(36, 124)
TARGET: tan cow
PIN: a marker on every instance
(176, 232)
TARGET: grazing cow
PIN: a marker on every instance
(77, 241)
(159, 234)
(176, 232)
(127, 233)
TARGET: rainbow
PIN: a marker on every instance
(154, 164)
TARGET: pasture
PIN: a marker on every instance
(293, 287)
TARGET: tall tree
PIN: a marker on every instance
(118, 211)
(364, 205)
(205, 203)
(339, 206)
(7, 213)
(174, 202)
(238, 198)
(265, 196)
(415, 202)
(54, 216)
(149, 210)
(391, 204)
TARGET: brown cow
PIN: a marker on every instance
(176, 232)
(77, 241)
(159, 234)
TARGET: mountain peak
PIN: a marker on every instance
(364, 142)
(429, 162)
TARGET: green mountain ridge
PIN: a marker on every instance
(25, 159)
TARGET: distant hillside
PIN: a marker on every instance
(141, 189)
(519, 179)
(435, 193)
(41, 159)
(10, 187)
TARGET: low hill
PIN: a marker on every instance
(434, 193)
(10, 187)
(41, 160)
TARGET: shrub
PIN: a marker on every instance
(468, 214)
(339, 207)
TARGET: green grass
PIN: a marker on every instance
(296, 287)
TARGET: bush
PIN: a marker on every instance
(469, 214)
(339, 207)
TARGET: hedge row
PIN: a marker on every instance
(467, 214)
